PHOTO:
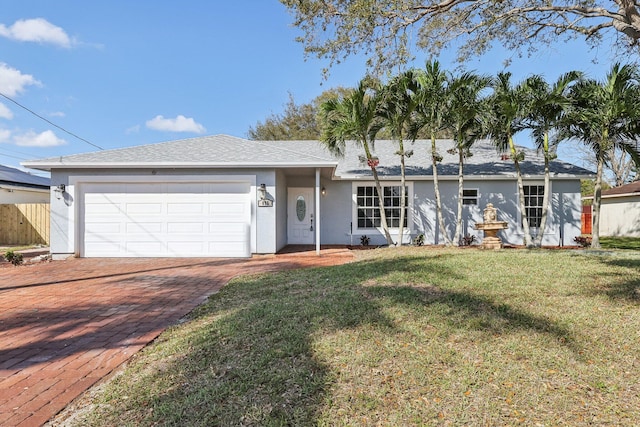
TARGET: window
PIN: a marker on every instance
(470, 196)
(368, 206)
(533, 195)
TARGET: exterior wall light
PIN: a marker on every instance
(262, 191)
(323, 191)
(59, 190)
(263, 202)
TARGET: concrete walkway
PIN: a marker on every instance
(65, 325)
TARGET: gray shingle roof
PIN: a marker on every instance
(216, 150)
(228, 151)
(17, 177)
(485, 160)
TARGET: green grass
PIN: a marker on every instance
(632, 243)
(412, 336)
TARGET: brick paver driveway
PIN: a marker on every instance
(64, 325)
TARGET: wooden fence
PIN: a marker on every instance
(24, 224)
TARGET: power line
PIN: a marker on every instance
(50, 122)
(13, 157)
(16, 152)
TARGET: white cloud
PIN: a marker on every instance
(179, 124)
(57, 114)
(5, 135)
(5, 112)
(37, 30)
(12, 81)
(44, 139)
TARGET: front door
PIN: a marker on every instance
(300, 213)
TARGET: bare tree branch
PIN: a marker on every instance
(388, 31)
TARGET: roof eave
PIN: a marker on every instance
(174, 165)
(487, 177)
(25, 187)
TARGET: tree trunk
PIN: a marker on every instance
(523, 211)
(457, 235)
(545, 198)
(597, 199)
(436, 190)
(383, 215)
(629, 21)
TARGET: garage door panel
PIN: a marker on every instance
(227, 228)
(183, 248)
(98, 248)
(146, 227)
(173, 220)
(144, 248)
(143, 208)
(107, 208)
(186, 208)
(219, 249)
(105, 228)
(185, 227)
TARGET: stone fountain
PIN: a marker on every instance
(491, 226)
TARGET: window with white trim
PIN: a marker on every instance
(368, 212)
(470, 196)
(533, 197)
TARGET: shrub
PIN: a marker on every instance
(468, 240)
(14, 258)
(584, 241)
(364, 240)
(419, 240)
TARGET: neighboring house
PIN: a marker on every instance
(620, 211)
(227, 196)
(17, 186)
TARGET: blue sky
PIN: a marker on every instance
(124, 73)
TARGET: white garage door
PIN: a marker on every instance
(166, 220)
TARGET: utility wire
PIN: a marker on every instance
(16, 152)
(50, 122)
(13, 157)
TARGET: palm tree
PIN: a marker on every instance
(431, 101)
(547, 106)
(509, 107)
(464, 118)
(395, 110)
(352, 117)
(605, 115)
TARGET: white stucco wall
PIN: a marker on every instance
(65, 212)
(563, 223)
(281, 210)
(337, 208)
(620, 217)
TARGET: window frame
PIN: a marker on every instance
(476, 198)
(356, 230)
(551, 229)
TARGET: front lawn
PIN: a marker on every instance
(632, 243)
(412, 336)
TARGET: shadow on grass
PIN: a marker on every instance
(626, 285)
(248, 356)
